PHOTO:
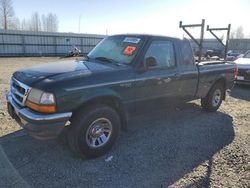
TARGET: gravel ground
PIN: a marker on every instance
(177, 147)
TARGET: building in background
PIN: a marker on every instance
(28, 43)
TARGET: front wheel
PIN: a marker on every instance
(213, 99)
(94, 130)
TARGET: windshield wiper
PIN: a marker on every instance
(108, 60)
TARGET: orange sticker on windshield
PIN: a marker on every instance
(129, 50)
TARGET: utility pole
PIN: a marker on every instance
(79, 24)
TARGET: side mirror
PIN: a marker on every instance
(151, 62)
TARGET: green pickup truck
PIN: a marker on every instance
(121, 77)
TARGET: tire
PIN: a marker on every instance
(214, 98)
(93, 131)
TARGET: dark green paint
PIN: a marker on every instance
(135, 86)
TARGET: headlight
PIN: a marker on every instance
(47, 98)
(35, 96)
(41, 101)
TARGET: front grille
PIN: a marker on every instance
(19, 91)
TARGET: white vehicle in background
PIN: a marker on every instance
(243, 64)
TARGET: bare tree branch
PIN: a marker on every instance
(35, 23)
(52, 23)
(6, 13)
(239, 32)
(8, 20)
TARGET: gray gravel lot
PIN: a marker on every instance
(172, 147)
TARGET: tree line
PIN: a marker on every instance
(49, 22)
(8, 20)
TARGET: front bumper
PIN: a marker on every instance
(38, 125)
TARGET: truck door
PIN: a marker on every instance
(159, 85)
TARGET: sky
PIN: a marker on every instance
(139, 16)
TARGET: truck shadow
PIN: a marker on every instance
(156, 151)
(241, 92)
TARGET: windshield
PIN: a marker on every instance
(120, 49)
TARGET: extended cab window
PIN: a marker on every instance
(187, 53)
(162, 52)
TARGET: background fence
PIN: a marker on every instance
(28, 43)
(240, 45)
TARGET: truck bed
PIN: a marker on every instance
(212, 71)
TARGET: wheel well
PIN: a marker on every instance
(110, 101)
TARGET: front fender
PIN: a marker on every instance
(76, 99)
(98, 92)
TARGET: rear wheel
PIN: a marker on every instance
(214, 98)
(94, 130)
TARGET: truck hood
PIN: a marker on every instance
(59, 70)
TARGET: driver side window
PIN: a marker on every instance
(162, 52)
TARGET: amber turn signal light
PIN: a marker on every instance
(41, 108)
